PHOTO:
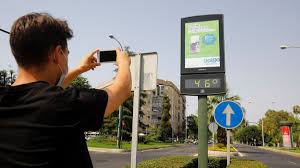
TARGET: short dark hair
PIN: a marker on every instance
(34, 35)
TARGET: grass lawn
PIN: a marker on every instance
(127, 146)
(239, 163)
(221, 148)
(293, 150)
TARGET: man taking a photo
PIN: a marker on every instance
(42, 122)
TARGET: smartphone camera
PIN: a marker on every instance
(106, 56)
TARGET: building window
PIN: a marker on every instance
(160, 89)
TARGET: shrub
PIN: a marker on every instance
(192, 162)
(213, 162)
(220, 145)
(181, 162)
(270, 144)
(240, 163)
(166, 162)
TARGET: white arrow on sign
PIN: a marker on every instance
(228, 111)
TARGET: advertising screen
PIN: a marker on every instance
(202, 44)
(202, 47)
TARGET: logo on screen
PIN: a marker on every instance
(209, 39)
(211, 61)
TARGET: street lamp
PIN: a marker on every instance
(120, 107)
(262, 128)
(186, 123)
(4, 31)
(288, 46)
(262, 122)
(112, 37)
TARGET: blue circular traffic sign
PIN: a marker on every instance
(228, 114)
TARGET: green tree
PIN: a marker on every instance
(296, 111)
(192, 123)
(250, 135)
(153, 136)
(80, 82)
(7, 77)
(272, 120)
(165, 126)
(110, 122)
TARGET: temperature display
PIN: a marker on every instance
(202, 83)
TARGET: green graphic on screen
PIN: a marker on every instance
(202, 48)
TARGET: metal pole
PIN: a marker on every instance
(136, 106)
(186, 128)
(228, 146)
(112, 37)
(291, 136)
(4, 31)
(172, 117)
(202, 132)
(120, 126)
(213, 140)
(262, 131)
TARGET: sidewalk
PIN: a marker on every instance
(281, 151)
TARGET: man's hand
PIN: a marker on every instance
(88, 62)
(122, 58)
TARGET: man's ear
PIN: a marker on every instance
(56, 51)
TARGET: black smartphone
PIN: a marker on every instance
(107, 56)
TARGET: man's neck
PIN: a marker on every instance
(33, 75)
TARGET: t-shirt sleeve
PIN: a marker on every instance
(90, 105)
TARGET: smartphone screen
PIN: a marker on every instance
(107, 56)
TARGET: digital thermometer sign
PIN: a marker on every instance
(202, 55)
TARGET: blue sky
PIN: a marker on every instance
(256, 68)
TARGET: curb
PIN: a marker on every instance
(221, 154)
(280, 151)
(239, 153)
(107, 150)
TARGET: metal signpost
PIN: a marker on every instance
(119, 135)
(202, 68)
(144, 77)
(228, 115)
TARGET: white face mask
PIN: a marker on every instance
(63, 73)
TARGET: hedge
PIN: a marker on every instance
(181, 162)
(192, 162)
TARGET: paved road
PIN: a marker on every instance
(113, 160)
(271, 159)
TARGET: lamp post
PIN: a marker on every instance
(288, 46)
(113, 37)
(262, 128)
(4, 31)
(119, 135)
(262, 122)
(186, 122)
